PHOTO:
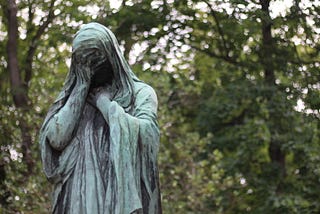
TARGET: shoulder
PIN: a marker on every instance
(145, 97)
(144, 90)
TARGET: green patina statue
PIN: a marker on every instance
(100, 139)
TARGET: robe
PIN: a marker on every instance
(110, 165)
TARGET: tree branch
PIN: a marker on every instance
(215, 55)
(30, 26)
(35, 41)
(219, 29)
(267, 43)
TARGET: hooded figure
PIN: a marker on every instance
(100, 139)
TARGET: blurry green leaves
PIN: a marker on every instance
(312, 99)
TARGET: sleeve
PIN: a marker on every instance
(134, 143)
(149, 138)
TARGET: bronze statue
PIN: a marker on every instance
(100, 138)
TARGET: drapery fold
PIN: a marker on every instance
(107, 167)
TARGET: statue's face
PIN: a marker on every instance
(98, 63)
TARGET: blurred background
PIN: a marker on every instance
(238, 89)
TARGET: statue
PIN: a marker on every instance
(100, 138)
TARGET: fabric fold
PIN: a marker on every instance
(107, 167)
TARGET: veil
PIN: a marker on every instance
(96, 36)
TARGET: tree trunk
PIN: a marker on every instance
(276, 155)
(18, 88)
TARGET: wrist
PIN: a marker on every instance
(103, 101)
(82, 84)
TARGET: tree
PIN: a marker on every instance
(34, 48)
(250, 66)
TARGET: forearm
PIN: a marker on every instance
(62, 125)
(112, 111)
(103, 105)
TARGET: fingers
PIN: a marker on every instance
(91, 99)
(88, 72)
(104, 93)
(97, 95)
(83, 73)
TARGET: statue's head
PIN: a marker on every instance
(94, 45)
(89, 49)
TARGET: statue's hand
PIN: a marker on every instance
(99, 96)
(83, 73)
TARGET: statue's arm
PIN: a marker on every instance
(61, 126)
(145, 117)
(146, 106)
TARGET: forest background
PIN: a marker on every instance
(238, 89)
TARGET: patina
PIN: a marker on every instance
(100, 139)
